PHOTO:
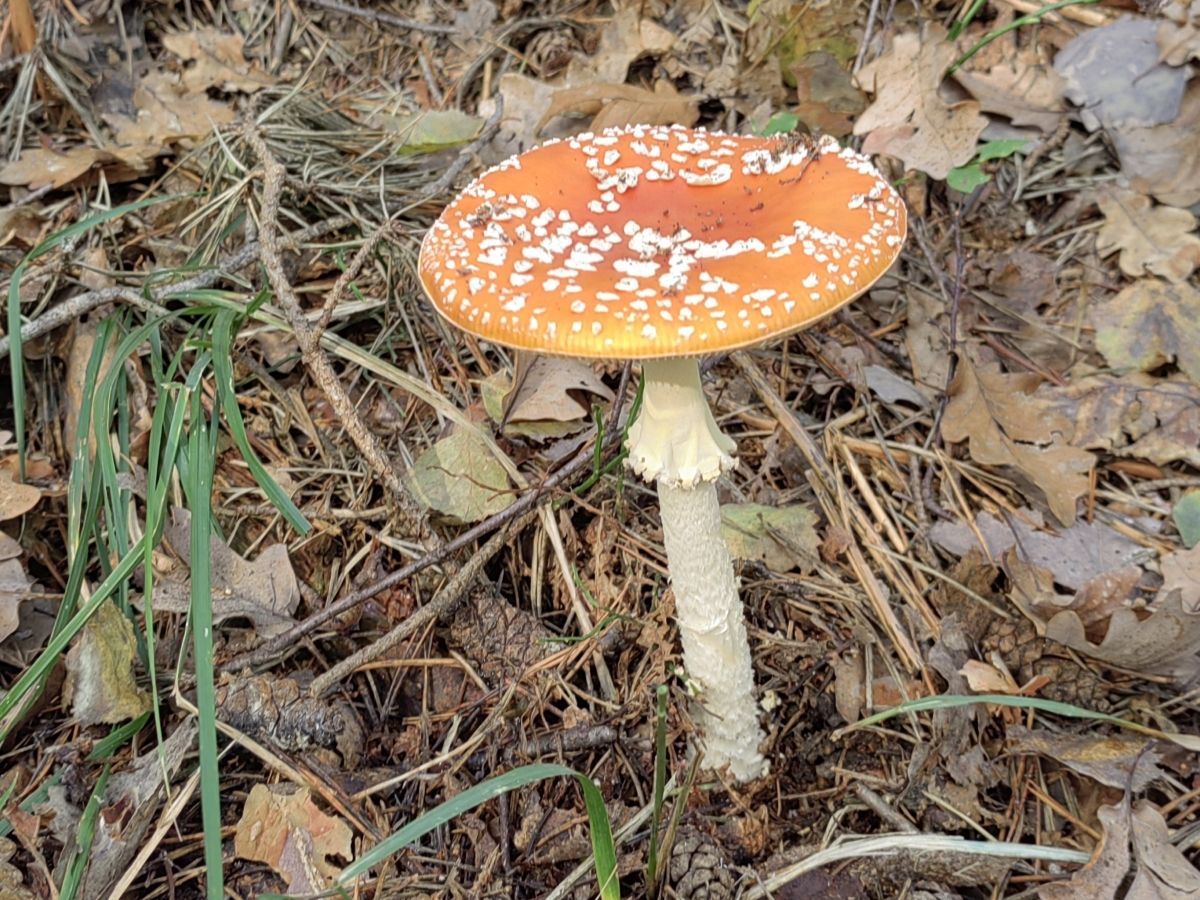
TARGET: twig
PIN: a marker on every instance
(523, 504)
(444, 602)
(315, 360)
(382, 17)
(76, 306)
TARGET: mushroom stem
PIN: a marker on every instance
(677, 442)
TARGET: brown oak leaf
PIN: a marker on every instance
(909, 118)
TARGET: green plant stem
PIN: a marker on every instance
(1029, 19)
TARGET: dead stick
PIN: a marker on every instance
(444, 602)
(315, 360)
(581, 461)
(76, 306)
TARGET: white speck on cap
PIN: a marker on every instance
(595, 231)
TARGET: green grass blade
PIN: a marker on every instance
(950, 701)
(84, 836)
(601, 830)
(201, 462)
(222, 338)
(16, 359)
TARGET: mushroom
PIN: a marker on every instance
(662, 244)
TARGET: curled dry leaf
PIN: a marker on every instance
(101, 687)
(1152, 240)
(14, 584)
(215, 60)
(1161, 639)
(1164, 873)
(1102, 876)
(1119, 761)
(282, 827)
(1024, 89)
(989, 410)
(1074, 555)
(909, 118)
(623, 41)
(611, 105)
(263, 590)
(1149, 323)
(132, 799)
(39, 167)
(1181, 572)
(550, 389)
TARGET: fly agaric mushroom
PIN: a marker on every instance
(662, 244)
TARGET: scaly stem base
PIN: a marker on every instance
(716, 651)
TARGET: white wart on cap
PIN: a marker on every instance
(660, 241)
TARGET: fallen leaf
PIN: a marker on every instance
(849, 692)
(990, 410)
(890, 387)
(1160, 639)
(1134, 415)
(16, 498)
(282, 827)
(525, 103)
(12, 882)
(9, 547)
(623, 41)
(1164, 873)
(166, 113)
(100, 686)
(1102, 876)
(1025, 90)
(79, 356)
(546, 389)
(781, 537)
(460, 478)
(927, 343)
(1119, 761)
(38, 167)
(1114, 76)
(430, 130)
(611, 105)
(909, 119)
(1149, 323)
(36, 624)
(1181, 572)
(14, 585)
(263, 590)
(1154, 240)
(1075, 555)
(983, 678)
(216, 61)
(1186, 514)
(827, 100)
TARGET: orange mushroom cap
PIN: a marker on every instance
(654, 241)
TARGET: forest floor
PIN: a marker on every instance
(966, 510)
